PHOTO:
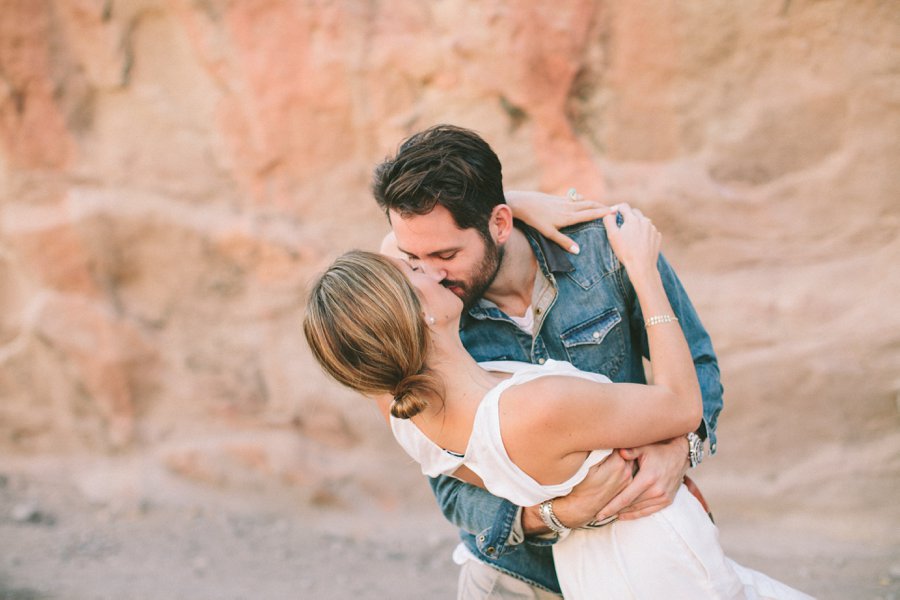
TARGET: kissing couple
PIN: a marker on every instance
(511, 369)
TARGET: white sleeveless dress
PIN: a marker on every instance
(671, 554)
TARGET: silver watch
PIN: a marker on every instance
(695, 449)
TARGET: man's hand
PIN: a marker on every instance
(662, 469)
(601, 485)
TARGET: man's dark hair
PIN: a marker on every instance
(445, 165)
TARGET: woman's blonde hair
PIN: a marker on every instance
(365, 326)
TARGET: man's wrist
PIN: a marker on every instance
(695, 449)
(532, 524)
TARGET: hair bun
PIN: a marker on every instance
(410, 396)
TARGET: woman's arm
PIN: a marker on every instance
(636, 244)
(575, 416)
(547, 214)
(581, 415)
(704, 356)
(550, 214)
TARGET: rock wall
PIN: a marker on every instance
(173, 172)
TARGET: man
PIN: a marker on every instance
(528, 300)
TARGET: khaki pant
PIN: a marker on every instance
(477, 581)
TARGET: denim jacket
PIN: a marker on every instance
(591, 319)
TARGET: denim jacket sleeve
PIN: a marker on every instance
(489, 518)
(698, 340)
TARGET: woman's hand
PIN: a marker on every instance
(636, 242)
(548, 214)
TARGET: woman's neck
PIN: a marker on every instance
(457, 369)
(465, 383)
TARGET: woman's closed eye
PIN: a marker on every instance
(413, 265)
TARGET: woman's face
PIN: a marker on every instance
(437, 301)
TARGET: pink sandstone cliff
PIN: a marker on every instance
(174, 172)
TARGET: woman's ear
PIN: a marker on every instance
(501, 223)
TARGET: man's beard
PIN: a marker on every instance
(482, 278)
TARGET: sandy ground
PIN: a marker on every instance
(57, 543)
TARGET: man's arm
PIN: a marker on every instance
(492, 520)
(602, 483)
(663, 465)
(489, 518)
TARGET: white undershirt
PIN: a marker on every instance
(526, 322)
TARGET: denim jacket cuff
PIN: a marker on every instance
(517, 534)
(544, 539)
(495, 540)
(709, 434)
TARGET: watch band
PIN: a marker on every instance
(695, 449)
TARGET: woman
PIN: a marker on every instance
(390, 331)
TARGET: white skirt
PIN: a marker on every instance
(669, 555)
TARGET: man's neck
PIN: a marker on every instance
(512, 288)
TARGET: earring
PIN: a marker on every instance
(429, 319)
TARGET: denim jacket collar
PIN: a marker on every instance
(550, 257)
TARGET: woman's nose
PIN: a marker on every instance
(434, 272)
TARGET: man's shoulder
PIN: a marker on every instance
(591, 238)
(596, 259)
(593, 229)
(594, 263)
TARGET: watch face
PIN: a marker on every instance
(695, 452)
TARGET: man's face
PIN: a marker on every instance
(462, 259)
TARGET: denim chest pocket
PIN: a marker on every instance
(598, 344)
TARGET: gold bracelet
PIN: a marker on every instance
(658, 319)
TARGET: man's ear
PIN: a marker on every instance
(501, 223)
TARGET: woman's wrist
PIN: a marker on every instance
(643, 278)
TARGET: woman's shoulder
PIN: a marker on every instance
(540, 392)
(542, 389)
(536, 393)
(555, 406)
